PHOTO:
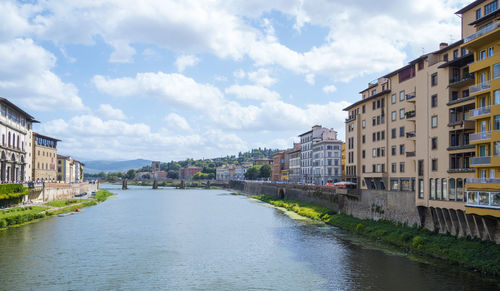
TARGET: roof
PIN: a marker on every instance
(29, 117)
(469, 7)
(448, 47)
(367, 99)
(459, 62)
(306, 132)
(47, 137)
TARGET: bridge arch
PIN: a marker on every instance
(281, 193)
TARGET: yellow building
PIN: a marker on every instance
(262, 161)
(481, 28)
(69, 170)
(44, 158)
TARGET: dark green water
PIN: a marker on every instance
(205, 240)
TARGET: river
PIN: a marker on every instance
(172, 239)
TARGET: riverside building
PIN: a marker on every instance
(44, 158)
(16, 131)
(429, 127)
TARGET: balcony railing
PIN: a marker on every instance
(480, 161)
(457, 79)
(480, 87)
(411, 134)
(410, 154)
(485, 30)
(480, 111)
(461, 170)
(483, 180)
(485, 135)
(483, 199)
(349, 119)
(410, 114)
(410, 96)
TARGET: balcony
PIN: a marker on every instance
(456, 81)
(485, 30)
(480, 111)
(477, 161)
(483, 199)
(410, 96)
(410, 114)
(411, 134)
(483, 180)
(461, 170)
(485, 135)
(349, 119)
(480, 87)
(411, 154)
(460, 147)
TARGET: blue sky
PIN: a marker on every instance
(167, 80)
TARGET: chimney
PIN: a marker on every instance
(442, 45)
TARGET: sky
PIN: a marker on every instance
(168, 80)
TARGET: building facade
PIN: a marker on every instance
(44, 159)
(327, 161)
(188, 172)
(294, 170)
(16, 132)
(278, 166)
(231, 172)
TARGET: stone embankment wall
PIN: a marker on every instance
(59, 191)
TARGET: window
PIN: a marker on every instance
(434, 164)
(374, 121)
(363, 123)
(363, 154)
(445, 57)
(393, 150)
(363, 169)
(496, 97)
(393, 98)
(421, 188)
(482, 55)
(374, 136)
(434, 100)
(401, 95)
(438, 189)
(393, 114)
(402, 131)
(496, 71)
(432, 189)
(445, 189)
(393, 167)
(401, 113)
(393, 133)
(491, 7)
(363, 108)
(374, 153)
(452, 189)
(455, 54)
(434, 121)
(402, 167)
(363, 139)
(374, 105)
(383, 135)
(374, 91)
(491, 52)
(496, 122)
(394, 184)
(434, 143)
(496, 148)
(401, 149)
(434, 79)
(478, 13)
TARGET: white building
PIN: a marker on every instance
(16, 145)
(231, 172)
(327, 159)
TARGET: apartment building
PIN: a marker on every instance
(429, 127)
(481, 33)
(16, 131)
(188, 172)
(327, 158)
(278, 166)
(293, 159)
(44, 157)
(231, 172)
(306, 151)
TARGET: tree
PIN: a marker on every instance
(252, 173)
(131, 174)
(265, 171)
(172, 174)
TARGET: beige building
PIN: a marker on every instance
(44, 160)
(16, 132)
(413, 129)
(69, 170)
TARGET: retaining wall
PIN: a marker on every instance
(59, 191)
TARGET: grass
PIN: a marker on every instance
(483, 256)
(61, 203)
(102, 195)
(20, 215)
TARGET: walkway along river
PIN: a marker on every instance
(205, 239)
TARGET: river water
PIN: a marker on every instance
(172, 239)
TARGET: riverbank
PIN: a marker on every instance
(474, 254)
(18, 216)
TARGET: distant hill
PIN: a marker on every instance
(94, 167)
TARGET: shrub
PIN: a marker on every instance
(417, 242)
(359, 227)
(3, 223)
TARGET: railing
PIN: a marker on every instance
(483, 199)
(485, 30)
(410, 154)
(480, 111)
(349, 119)
(480, 87)
(410, 114)
(464, 78)
(483, 180)
(410, 96)
(480, 161)
(461, 170)
(411, 134)
(480, 136)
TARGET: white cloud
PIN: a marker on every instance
(239, 74)
(261, 77)
(108, 112)
(175, 122)
(310, 79)
(26, 78)
(329, 89)
(176, 89)
(184, 61)
(252, 92)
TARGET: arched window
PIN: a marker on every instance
(432, 191)
(438, 189)
(460, 190)
(18, 141)
(13, 140)
(9, 139)
(3, 139)
(452, 189)
(445, 189)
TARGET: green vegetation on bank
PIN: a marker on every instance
(12, 194)
(61, 203)
(483, 256)
(102, 195)
(20, 215)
